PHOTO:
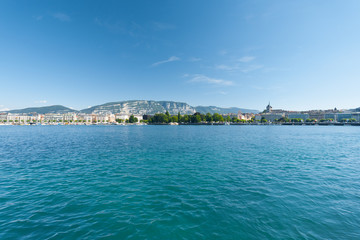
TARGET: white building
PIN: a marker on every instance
(21, 118)
(87, 118)
(52, 117)
(69, 117)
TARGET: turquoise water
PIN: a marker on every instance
(179, 182)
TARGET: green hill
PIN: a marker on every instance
(43, 110)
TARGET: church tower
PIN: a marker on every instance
(268, 108)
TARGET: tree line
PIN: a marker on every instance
(197, 117)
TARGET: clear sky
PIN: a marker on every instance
(299, 55)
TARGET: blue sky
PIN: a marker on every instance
(300, 55)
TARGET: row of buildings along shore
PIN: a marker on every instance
(331, 115)
(66, 118)
(269, 114)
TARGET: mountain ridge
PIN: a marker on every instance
(140, 107)
(43, 110)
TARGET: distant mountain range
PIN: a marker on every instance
(140, 107)
(43, 110)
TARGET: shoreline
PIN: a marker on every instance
(189, 124)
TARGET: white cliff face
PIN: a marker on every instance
(142, 107)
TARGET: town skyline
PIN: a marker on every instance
(234, 108)
(172, 113)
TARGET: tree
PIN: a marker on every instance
(296, 120)
(208, 117)
(310, 120)
(174, 119)
(159, 118)
(218, 118)
(284, 119)
(196, 118)
(185, 118)
(179, 117)
(133, 119)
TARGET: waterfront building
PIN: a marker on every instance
(52, 117)
(88, 118)
(122, 116)
(70, 117)
(111, 118)
(272, 117)
(331, 116)
(356, 116)
(341, 116)
(102, 118)
(269, 109)
(245, 116)
(242, 116)
(139, 117)
(303, 116)
(20, 118)
(316, 114)
(258, 117)
(270, 114)
(3, 117)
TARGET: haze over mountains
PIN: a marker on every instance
(43, 110)
(140, 107)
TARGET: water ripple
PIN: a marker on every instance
(179, 182)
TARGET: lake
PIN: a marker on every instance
(179, 182)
